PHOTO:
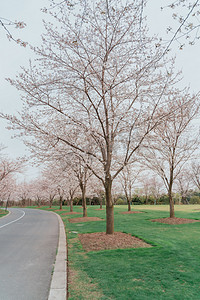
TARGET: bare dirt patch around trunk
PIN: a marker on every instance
(71, 213)
(175, 221)
(131, 212)
(101, 241)
(84, 219)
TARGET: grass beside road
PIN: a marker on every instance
(3, 212)
(169, 270)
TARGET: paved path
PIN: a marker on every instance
(28, 242)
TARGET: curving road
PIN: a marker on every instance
(28, 243)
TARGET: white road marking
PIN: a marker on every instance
(14, 220)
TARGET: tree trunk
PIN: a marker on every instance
(109, 219)
(83, 190)
(71, 205)
(171, 204)
(129, 205)
(109, 207)
(50, 201)
(84, 211)
(183, 200)
(38, 201)
(171, 201)
(128, 198)
(61, 198)
(101, 203)
(84, 206)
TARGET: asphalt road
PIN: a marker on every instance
(28, 243)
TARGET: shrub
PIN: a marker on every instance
(120, 202)
(194, 200)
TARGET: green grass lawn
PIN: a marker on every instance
(3, 212)
(168, 270)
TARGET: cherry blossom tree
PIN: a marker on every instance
(145, 182)
(51, 182)
(97, 189)
(155, 188)
(72, 189)
(99, 78)
(61, 175)
(37, 189)
(173, 143)
(183, 183)
(23, 193)
(55, 176)
(195, 173)
(7, 189)
(70, 169)
(127, 179)
(82, 173)
(8, 169)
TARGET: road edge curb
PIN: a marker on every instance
(58, 288)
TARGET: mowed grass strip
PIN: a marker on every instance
(169, 270)
(3, 212)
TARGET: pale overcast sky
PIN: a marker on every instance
(13, 56)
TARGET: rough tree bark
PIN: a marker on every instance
(60, 201)
(171, 204)
(101, 202)
(84, 205)
(71, 204)
(109, 206)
